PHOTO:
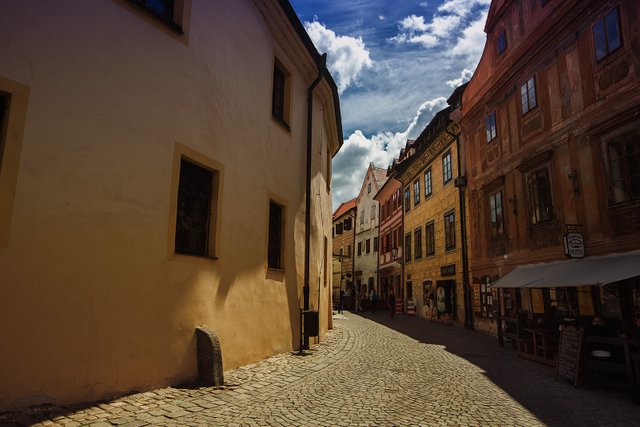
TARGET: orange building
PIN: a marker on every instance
(551, 134)
(153, 186)
(344, 233)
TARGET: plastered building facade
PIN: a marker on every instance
(427, 169)
(366, 256)
(106, 265)
(550, 128)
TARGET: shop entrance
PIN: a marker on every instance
(446, 299)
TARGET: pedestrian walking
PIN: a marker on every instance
(374, 300)
(392, 304)
(363, 298)
(341, 302)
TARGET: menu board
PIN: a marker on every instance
(568, 361)
(476, 298)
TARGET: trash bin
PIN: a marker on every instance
(311, 323)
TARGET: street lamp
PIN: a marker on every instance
(394, 252)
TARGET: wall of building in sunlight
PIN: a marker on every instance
(111, 251)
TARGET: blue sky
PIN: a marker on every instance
(395, 63)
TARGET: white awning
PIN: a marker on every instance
(589, 271)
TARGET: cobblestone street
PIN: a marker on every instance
(370, 371)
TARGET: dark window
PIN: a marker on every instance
(407, 247)
(194, 209)
(486, 301)
(276, 219)
(624, 167)
(447, 168)
(361, 218)
(540, 208)
(490, 126)
(502, 42)
(349, 251)
(416, 192)
(368, 188)
(606, 34)
(528, 95)
(359, 248)
(4, 106)
(450, 231)
(339, 228)
(161, 9)
(417, 237)
(277, 103)
(368, 245)
(407, 199)
(375, 244)
(373, 212)
(383, 212)
(427, 183)
(430, 238)
(496, 214)
(347, 224)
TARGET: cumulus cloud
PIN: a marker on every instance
(465, 76)
(413, 23)
(358, 151)
(471, 43)
(446, 24)
(347, 56)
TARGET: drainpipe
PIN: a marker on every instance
(307, 215)
(461, 183)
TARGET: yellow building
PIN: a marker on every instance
(152, 181)
(433, 260)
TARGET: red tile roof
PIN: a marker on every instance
(344, 208)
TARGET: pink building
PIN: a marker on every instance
(390, 256)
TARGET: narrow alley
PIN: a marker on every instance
(371, 371)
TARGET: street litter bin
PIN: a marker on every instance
(311, 323)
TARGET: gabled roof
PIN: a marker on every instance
(344, 208)
(379, 178)
(380, 175)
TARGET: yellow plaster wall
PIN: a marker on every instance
(93, 302)
(444, 198)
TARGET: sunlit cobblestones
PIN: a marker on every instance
(367, 374)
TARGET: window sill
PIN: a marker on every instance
(543, 224)
(281, 122)
(187, 255)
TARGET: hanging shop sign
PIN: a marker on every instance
(573, 242)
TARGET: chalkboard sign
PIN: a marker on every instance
(568, 361)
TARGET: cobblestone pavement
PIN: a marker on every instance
(370, 371)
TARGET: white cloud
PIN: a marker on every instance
(426, 40)
(346, 56)
(413, 23)
(442, 26)
(461, 6)
(358, 151)
(471, 43)
(465, 76)
(445, 25)
(381, 17)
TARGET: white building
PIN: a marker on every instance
(367, 240)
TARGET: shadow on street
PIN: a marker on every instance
(531, 384)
